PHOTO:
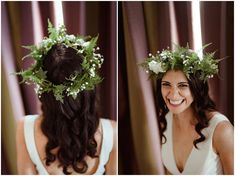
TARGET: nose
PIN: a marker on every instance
(174, 93)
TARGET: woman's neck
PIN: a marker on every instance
(185, 119)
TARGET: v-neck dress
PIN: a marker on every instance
(107, 145)
(200, 161)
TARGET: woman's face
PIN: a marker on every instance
(176, 92)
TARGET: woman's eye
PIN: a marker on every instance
(183, 85)
(165, 85)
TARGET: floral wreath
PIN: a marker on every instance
(182, 58)
(77, 82)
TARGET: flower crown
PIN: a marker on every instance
(182, 58)
(77, 82)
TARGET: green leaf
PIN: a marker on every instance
(77, 81)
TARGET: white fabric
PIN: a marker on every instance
(107, 144)
(30, 143)
(200, 161)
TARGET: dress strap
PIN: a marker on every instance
(30, 142)
(216, 119)
(107, 143)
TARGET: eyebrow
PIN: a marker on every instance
(177, 83)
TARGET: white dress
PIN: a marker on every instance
(107, 144)
(201, 161)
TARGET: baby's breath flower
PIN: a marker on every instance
(78, 81)
(181, 58)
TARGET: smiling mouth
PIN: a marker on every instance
(175, 102)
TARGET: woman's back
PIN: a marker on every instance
(69, 133)
(33, 135)
(41, 140)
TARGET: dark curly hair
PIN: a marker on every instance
(202, 103)
(70, 125)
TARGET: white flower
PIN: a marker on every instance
(155, 67)
(92, 72)
(185, 62)
(70, 37)
(38, 89)
(60, 39)
(80, 41)
(86, 44)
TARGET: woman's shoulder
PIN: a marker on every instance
(110, 166)
(223, 126)
(114, 127)
(223, 137)
(216, 117)
(219, 124)
(21, 120)
(20, 123)
(112, 122)
(223, 130)
(24, 162)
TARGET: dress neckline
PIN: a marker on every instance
(172, 149)
(205, 155)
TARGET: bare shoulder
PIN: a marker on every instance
(223, 135)
(114, 123)
(223, 142)
(24, 163)
(223, 129)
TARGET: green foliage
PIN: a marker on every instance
(86, 80)
(182, 58)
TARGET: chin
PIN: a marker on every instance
(176, 111)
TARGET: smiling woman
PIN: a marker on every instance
(176, 92)
(192, 130)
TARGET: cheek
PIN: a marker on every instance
(164, 93)
(188, 95)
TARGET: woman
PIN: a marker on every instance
(68, 137)
(196, 139)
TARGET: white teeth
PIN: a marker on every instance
(176, 102)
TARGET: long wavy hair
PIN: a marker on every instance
(202, 103)
(69, 126)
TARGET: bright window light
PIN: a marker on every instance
(174, 32)
(196, 27)
(58, 13)
(37, 26)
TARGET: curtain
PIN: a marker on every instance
(18, 28)
(220, 32)
(146, 27)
